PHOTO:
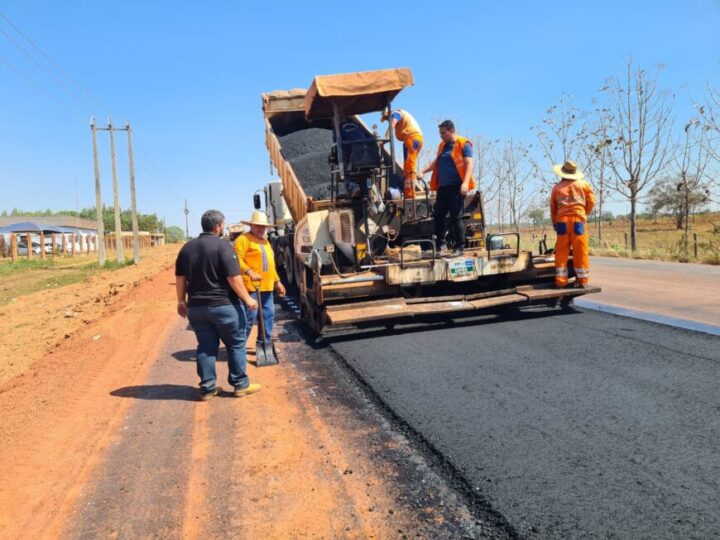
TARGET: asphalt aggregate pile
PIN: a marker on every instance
(569, 425)
(308, 151)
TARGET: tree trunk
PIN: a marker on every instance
(686, 215)
(633, 225)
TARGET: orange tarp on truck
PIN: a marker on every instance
(355, 93)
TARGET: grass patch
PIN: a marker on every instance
(26, 277)
(23, 265)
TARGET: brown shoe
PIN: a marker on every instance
(252, 389)
(207, 396)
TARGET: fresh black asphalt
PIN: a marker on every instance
(578, 424)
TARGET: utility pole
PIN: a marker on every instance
(187, 233)
(119, 257)
(98, 200)
(136, 233)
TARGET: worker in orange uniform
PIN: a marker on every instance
(408, 131)
(571, 201)
(257, 264)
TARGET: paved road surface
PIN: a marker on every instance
(689, 292)
(569, 425)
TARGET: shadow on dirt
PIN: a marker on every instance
(177, 392)
(188, 355)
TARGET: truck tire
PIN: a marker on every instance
(289, 266)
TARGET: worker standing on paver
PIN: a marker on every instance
(571, 201)
(257, 263)
(210, 294)
(452, 180)
(407, 130)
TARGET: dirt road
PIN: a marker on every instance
(102, 436)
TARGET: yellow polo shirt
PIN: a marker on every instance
(257, 255)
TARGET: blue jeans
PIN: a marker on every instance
(268, 307)
(211, 325)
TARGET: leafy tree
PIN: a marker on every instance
(537, 216)
(174, 234)
(672, 198)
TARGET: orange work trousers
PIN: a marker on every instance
(411, 151)
(572, 231)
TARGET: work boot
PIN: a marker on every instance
(207, 396)
(457, 252)
(252, 389)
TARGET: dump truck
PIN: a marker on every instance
(372, 259)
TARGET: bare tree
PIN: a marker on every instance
(710, 116)
(640, 129)
(594, 156)
(561, 135)
(692, 162)
(487, 183)
(517, 173)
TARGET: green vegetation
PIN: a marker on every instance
(146, 222)
(29, 276)
(174, 234)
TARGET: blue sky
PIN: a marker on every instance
(189, 75)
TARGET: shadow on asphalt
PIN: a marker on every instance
(188, 355)
(508, 315)
(176, 392)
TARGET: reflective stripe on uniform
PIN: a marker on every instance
(264, 257)
(582, 272)
(561, 271)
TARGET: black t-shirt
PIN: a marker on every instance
(207, 262)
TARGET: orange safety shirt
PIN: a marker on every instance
(571, 198)
(458, 159)
(257, 255)
(406, 127)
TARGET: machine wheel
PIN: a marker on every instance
(312, 315)
(289, 265)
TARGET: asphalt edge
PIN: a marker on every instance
(477, 504)
(685, 324)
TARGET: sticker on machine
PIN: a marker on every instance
(461, 268)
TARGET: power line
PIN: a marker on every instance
(38, 64)
(54, 64)
(158, 180)
(39, 88)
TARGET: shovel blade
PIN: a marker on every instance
(265, 355)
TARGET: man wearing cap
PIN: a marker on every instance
(571, 201)
(257, 263)
(210, 293)
(407, 130)
(452, 180)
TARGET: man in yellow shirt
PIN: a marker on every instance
(257, 264)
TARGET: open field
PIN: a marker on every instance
(657, 239)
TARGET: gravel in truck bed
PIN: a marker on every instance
(307, 151)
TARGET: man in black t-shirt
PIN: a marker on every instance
(210, 293)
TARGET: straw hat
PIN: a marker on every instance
(258, 218)
(568, 170)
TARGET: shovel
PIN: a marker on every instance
(265, 354)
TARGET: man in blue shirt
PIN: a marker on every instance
(451, 180)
